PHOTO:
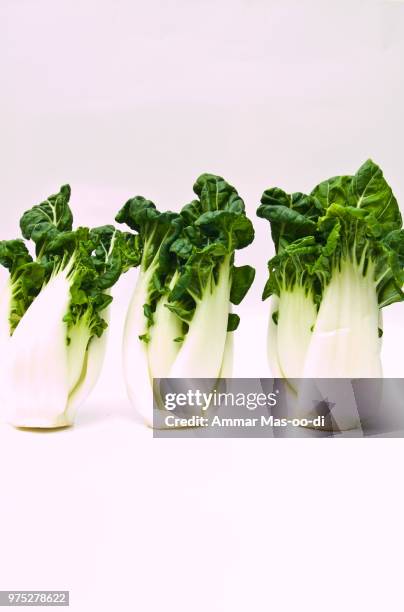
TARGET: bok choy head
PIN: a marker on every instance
(55, 310)
(180, 314)
(342, 247)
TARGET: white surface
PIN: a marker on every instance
(129, 97)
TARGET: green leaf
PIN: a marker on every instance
(44, 221)
(183, 313)
(371, 192)
(272, 286)
(390, 268)
(334, 190)
(242, 279)
(232, 229)
(218, 215)
(156, 230)
(216, 194)
(198, 273)
(114, 253)
(14, 255)
(291, 216)
(26, 277)
(233, 322)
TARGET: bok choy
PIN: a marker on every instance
(339, 260)
(54, 311)
(180, 320)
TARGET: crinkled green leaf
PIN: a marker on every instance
(219, 214)
(198, 273)
(370, 191)
(13, 255)
(215, 227)
(156, 230)
(293, 266)
(216, 194)
(390, 268)
(291, 216)
(26, 277)
(44, 221)
(334, 190)
(114, 253)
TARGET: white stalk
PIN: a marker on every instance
(45, 378)
(296, 317)
(37, 367)
(345, 342)
(226, 370)
(162, 350)
(135, 360)
(201, 353)
(195, 357)
(272, 339)
(79, 335)
(91, 364)
(288, 341)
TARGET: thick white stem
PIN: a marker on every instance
(162, 350)
(135, 361)
(226, 370)
(91, 369)
(37, 368)
(201, 354)
(87, 359)
(296, 317)
(345, 342)
(79, 336)
(272, 339)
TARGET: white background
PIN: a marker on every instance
(125, 97)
